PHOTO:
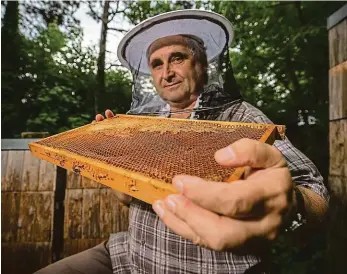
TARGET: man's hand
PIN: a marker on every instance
(108, 114)
(124, 198)
(227, 215)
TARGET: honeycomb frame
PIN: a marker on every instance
(135, 183)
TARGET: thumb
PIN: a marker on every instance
(99, 118)
(109, 113)
(252, 153)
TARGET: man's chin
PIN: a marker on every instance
(174, 100)
(173, 97)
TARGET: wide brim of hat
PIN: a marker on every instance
(214, 29)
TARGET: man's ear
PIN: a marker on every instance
(203, 75)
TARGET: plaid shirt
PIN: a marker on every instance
(150, 247)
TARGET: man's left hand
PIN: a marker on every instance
(221, 215)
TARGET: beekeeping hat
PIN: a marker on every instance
(214, 29)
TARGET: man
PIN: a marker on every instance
(210, 227)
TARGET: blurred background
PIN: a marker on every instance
(59, 68)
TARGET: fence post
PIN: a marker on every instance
(337, 243)
(58, 215)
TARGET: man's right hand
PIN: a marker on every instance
(123, 198)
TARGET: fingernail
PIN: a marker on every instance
(179, 185)
(158, 208)
(226, 154)
(171, 203)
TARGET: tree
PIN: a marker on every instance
(13, 57)
(52, 87)
(106, 16)
(38, 15)
(138, 11)
(280, 59)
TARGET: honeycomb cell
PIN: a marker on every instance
(156, 147)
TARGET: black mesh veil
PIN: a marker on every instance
(145, 99)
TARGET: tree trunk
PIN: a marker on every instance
(100, 76)
(10, 37)
(12, 91)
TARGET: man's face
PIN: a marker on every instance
(176, 75)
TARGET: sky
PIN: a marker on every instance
(92, 31)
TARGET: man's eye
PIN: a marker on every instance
(177, 59)
(156, 65)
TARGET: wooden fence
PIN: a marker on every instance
(337, 241)
(49, 213)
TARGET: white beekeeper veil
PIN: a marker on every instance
(213, 29)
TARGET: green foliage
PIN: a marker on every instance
(118, 95)
(13, 57)
(140, 10)
(280, 60)
(39, 14)
(51, 87)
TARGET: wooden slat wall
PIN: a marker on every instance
(11, 181)
(27, 191)
(92, 212)
(337, 244)
(338, 91)
(338, 44)
(28, 185)
(338, 106)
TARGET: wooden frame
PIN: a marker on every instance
(133, 183)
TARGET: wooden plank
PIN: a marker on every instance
(91, 213)
(74, 181)
(338, 148)
(109, 207)
(73, 214)
(31, 170)
(12, 179)
(338, 186)
(114, 216)
(70, 247)
(35, 217)
(336, 225)
(84, 244)
(24, 258)
(88, 183)
(338, 44)
(74, 246)
(47, 175)
(10, 204)
(338, 91)
(124, 218)
(4, 158)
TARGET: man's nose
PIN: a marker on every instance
(168, 73)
